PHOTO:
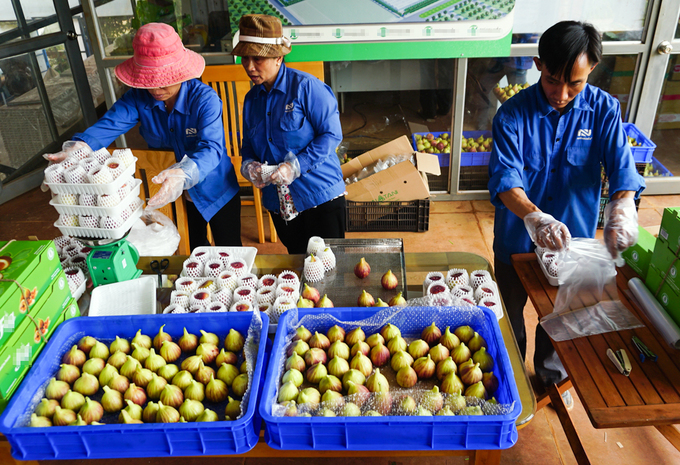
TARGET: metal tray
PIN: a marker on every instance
(344, 288)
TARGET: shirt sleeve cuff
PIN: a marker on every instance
(625, 180)
(501, 182)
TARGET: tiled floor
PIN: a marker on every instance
(454, 226)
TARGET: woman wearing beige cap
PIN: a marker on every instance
(176, 112)
(291, 128)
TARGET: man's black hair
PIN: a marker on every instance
(562, 44)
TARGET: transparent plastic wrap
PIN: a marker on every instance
(424, 398)
(587, 300)
(380, 165)
(154, 234)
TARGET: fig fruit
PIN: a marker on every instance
(46, 407)
(445, 367)
(171, 351)
(304, 303)
(432, 400)
(107, 374)
(168, 371)
(94, 366)
(464, 333)
(302, 333)
(396, 344)
(316, 372)
(87, 385)
(484, 360)
(160, 337)
(354, 336)
(324, 302)
(362, 364)
(188, 342)
(389, 281)
(449, 340)
(418, 348)
(338, 367)
(295, 362)
(228, 374)
(68, 373)
(381, 303)
(353, 375)
(365, 299)
(377, 382)
(375, 339)
(339, 349)
(140, 353)
(439, 353)
(287, 392)
(380, 355)
(75, 357)
(141, 340)
(407, 377)
(424, 367)
(362, 269)
(401, 359)
(234, 341)
(191, 409)
(182, 379)
(476, 342)
(315, 355)
(99, 350)
(397, 301)
(319, 341)
(119, 344)
(330, 383)
(216, 390)
(335, 333)
(461, 354)
(195, 391)
(431, 335)
(310, 293)
(209, 338)
(362, 347)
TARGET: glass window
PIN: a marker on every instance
(24, 120)
(666, 131)
(32, 10)
(203, 25)
(411, 98)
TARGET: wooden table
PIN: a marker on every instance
(417, 266)
(650, 396)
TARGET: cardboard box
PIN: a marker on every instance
(668, 297)
(669, 232)
(402, 181)
(639, 256)
(33, 265)
(668, 264)
(22, 348)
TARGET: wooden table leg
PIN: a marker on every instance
(544, 399)
(671, 433)
(567, 425)
(486, 457)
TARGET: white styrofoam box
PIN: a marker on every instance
(133, 297)
(99, 189)
(246, 253)
(101, 211)
(101, 233)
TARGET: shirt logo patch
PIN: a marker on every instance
(290, 107)
(192, 132)
(585, 134)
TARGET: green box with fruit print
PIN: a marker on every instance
(27, 268)
(24, 345)
(639, 256)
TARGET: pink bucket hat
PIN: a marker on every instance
(160, 59)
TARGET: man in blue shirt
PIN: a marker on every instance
(550, 142)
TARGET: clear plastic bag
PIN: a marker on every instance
(587, 300)
(154, 235)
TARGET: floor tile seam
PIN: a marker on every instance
(556, 440)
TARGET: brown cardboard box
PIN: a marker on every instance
(402, 181)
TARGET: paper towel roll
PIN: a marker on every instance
(657, 315)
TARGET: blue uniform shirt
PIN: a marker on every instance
(557, 160)
(300, 115)
(193, 128)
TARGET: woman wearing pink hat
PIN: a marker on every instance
(175, 112)
(291, 128)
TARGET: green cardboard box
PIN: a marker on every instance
(667, 263)
(25, 343)
(669, 232)
(668, 297)
(639, 256)
(33, 265)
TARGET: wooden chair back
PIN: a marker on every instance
(149, 164)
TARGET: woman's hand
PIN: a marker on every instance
(180, 176)
(286, 172)
(69, 147)
(252, 171)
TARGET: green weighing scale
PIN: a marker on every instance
(112, 260)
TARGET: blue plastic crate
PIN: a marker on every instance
(396, 432)
(140, 440)
(657, 166)
(642, 154)
(466, 158)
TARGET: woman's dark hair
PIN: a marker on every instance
(562, 44)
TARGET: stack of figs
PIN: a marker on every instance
(353, 374)
(147, 380)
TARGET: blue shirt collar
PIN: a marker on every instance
(578, 103)
(279, 84)
(180, 104)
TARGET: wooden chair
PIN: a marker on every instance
(232, 83)
(149, 164)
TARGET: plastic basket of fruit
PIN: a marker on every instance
(206, 433)
(437, 143)
(105, 227)
(653, 169)
(388, 411)
(509, 91)
(114, 210)
(476, 148)
(97, 189)
(641, 147)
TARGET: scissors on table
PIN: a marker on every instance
(158, 268)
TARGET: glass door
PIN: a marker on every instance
(658, 109)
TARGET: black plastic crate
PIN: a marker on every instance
(413, 216)
(603, 204)
(474, 178)
(439, 183)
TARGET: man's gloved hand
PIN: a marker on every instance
(286, 172)
(545, 231)
(620, 227)
(69, 147)
(180, 176)
(252, 171)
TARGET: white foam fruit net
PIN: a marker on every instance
(405, 318)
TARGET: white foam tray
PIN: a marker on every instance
(99, 189)
(100, 211)
(134, 297)
(246, 253)
(554, 281)
(99, 233)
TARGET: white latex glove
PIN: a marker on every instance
(620, 227)
(252, 171)
(286, 172)
(545, 231)
(67, 149)
(179, 177)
